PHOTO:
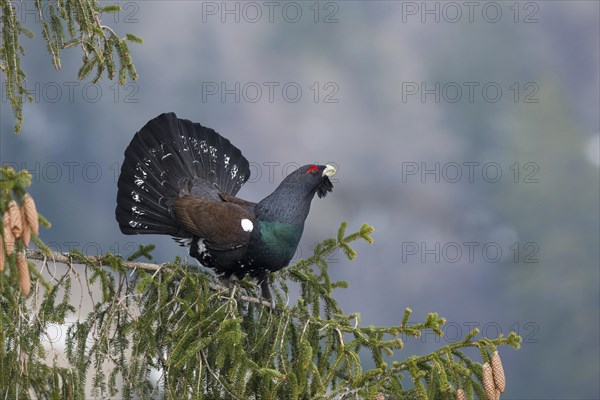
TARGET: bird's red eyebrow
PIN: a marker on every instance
(312, 168)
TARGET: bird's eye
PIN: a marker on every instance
(312, 169)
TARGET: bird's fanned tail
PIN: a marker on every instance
(166, 159)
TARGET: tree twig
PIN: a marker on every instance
(68, 259)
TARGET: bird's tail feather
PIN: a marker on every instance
(170, 157)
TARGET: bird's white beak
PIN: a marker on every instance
(329, 171)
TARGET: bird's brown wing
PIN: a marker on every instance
(219, 223)
(245, 204)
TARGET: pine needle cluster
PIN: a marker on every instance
(64, 23)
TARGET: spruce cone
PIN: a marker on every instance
(9, 238)
(24, 279)
(15, 219)
(31, 214)
(26, 236)
(498, 372)
(2, 254)
(460, 394)
(488, 382)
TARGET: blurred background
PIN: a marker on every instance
(467, 134)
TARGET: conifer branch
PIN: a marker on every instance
(105, 260)
(99, 43)
(70, 259)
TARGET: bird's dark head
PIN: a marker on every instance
(290, 202)
(312, 179)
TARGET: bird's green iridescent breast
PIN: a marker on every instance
(279, 241)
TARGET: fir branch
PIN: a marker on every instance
(84, 27)
(70, 259)
(10, 60)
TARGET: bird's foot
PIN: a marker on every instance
(228, 281)
(265, 291)
(232, 285)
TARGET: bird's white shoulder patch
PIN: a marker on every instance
(247, 225)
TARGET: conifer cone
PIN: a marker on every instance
(24, 279)
(9, 238)
(498, 371)
(15, 219)
(2, 254)
(460, 394)
(26, 236)
(31, 214)
(488, 382)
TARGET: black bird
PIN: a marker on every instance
(180, 178)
